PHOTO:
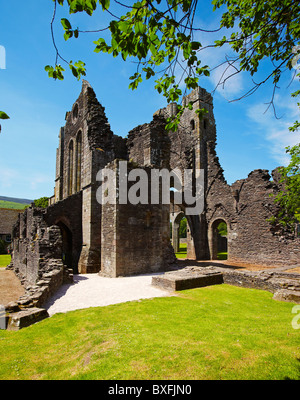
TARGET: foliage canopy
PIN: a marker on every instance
(163, 38)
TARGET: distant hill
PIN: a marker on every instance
(16, 200)
(15, 203)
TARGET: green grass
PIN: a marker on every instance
(182, 251)
(11, 204)
(216, 332)
(4, 260)
(222, 256)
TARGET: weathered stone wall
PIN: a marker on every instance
(8, 218)
(34, 244)
(67, 215)
(149, 144)
(87, 125)
(41, 239)
(246, 206)
(135, 237)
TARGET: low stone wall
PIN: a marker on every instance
(285, 286)
(270, 281)
(36, 261)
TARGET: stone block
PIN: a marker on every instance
(187, 279)
(287, 295)
(25, 318)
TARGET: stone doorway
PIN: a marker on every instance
(67, 247)
(218, 243)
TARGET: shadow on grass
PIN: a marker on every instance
(286, 378)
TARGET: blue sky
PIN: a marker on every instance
(248, 139)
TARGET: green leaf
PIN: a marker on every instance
(195, 45)
(66, 24)
(68, 35)
(105, 4)
(3, 115)
(140, 28)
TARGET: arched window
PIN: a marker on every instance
(75, 112)
(192, 125)
(78, 161)
(179, 226)
(70, 168)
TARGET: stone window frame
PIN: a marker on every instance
(71, 167)
(192, 124)
(75, 112)
(8, 238)
(78, 160)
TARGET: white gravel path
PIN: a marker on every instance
(92, 290)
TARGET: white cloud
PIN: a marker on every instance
(38, 180)
(276, 131)
(8, 177)
(227, 83)
(222, 77)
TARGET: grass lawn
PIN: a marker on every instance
(182, 251)
(222, 256)
(4, 260)
(216, 332)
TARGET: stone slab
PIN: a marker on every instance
(25, 318)
(188, 278)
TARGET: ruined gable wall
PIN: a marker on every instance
(87, 116)
(255, 235)
(99, 147)
(245, 206)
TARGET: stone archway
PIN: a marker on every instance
(175, 220)
(67, 247)
(217, 243)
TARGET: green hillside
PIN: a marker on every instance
(11, 204)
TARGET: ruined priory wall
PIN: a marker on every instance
(8, 218)
(149, 144)
(135, 237)
(245, 206)
(36, 247)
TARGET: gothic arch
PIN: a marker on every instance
(213, 236)
(78, 158)
(70, 167)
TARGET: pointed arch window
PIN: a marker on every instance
(78, 161)
(70, 168)
(192, 125)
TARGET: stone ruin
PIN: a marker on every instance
(76, 234)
